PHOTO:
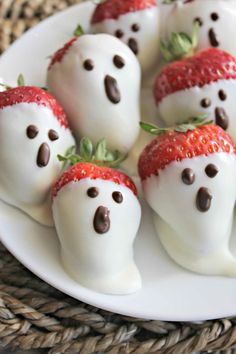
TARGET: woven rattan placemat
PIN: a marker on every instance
(34, 315)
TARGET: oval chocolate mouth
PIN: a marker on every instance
(222, 118)
(133, 44)
(112, 89)
(213, 38)
(43, 155)
(204, 199)
(101, 221)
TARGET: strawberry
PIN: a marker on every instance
(112, 9)
(31, 94)
(175, 146)
(59, 55)
(93, 164)
(206, 67)
(84, 170)
(97, 212)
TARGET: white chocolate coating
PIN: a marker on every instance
(182, 16)
(82, 93)
(179, 106)
(148, 37)
(22, 182)
(197, 240)
(102, 262)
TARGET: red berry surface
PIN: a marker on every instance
(59, 55)
(84, 170)
(176, 146)
(112, 9)
(208, 66)
(31, 94)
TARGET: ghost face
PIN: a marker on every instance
(216, 20)
(30, 140)
(217, 100)
(140, 30)
(97, 222)
(98, 85)
(196, 198)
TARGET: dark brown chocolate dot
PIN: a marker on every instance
(93, 192)
(133, 44)
(211, 170)
(101, 221)
(213, 38)
(118, 197)
(214, 16)
(118, 61)
(32, 131)
(43, 155)
(53, 135)
(205, 102)
(203, 200)
(119, 33)
(188, 176)
(112, 89)
(88, 65)
(222, 95)
(135, 27)
(199, 21)
(222, 118)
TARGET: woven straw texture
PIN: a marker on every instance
(34, 315)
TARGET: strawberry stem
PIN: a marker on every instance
(190, 124)
(180, 45)
(100, 155)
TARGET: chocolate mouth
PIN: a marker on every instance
(112, 89)
(213, 38)
(43, 155)
(133, 44)
(222, 118)
(101, 221)
(204, 199)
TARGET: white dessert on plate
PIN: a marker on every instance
(33, 131)
(97, 78)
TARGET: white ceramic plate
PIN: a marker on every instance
(169, 292)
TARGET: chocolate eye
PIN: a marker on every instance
(118, 197)
(211, 171)
(135, 27)
(119, 33)
(206, 102)
(214, 16)
(88, 65)
(93, 192)
(199, 21)
(118, 61)
(188, 176)
(52, 134)
(32, 131)
(222, 95)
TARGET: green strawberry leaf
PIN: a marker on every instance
(86, 148)
(191, 124)
(180, 45)
(101, 150)
(20, 80)
(100, 156)
(79, 31)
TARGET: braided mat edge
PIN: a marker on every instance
(34, 315)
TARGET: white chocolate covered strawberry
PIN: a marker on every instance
(97, 215)
(202, 84)
(135, 22)
(188, 178)
(96, 78)
(216, 19)
(33, 131)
